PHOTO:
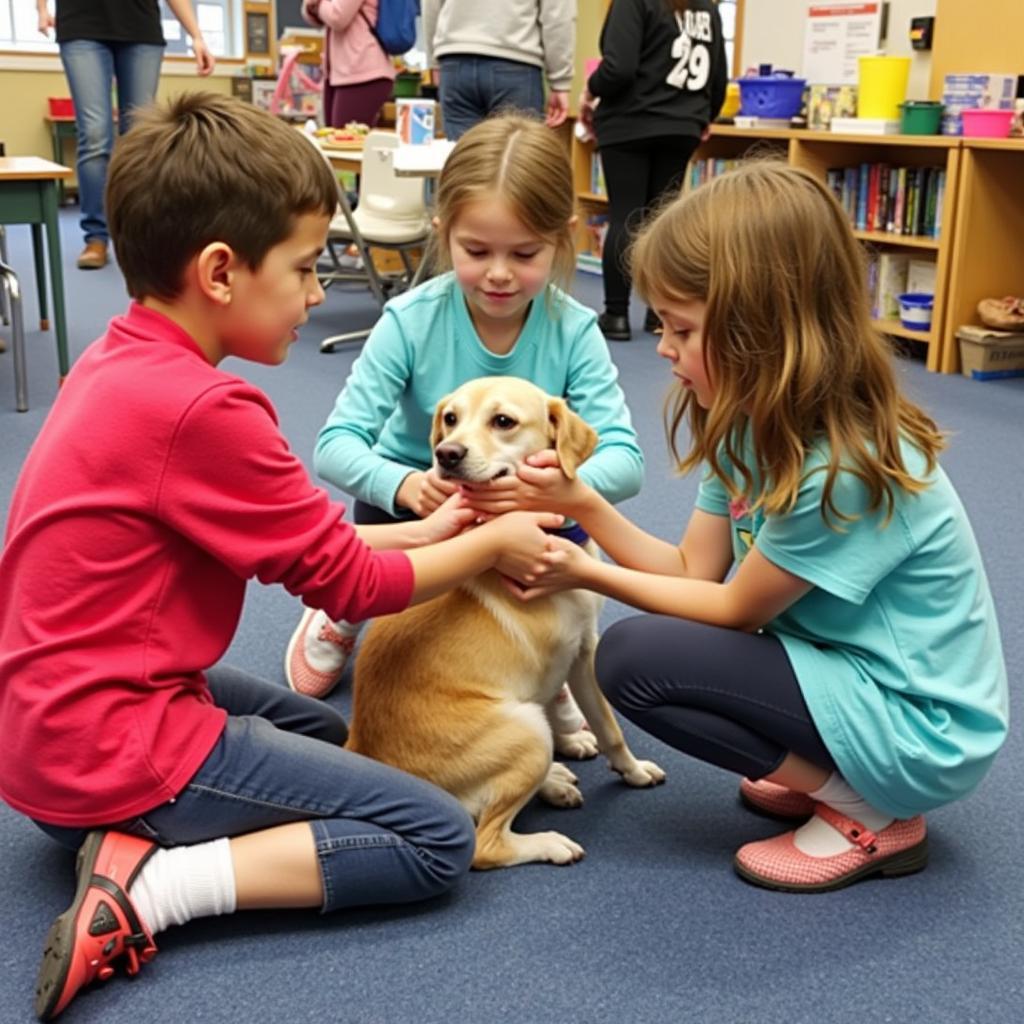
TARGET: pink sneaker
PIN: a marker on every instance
(899, 849)
(317, 654)
(774, 800)
(101, 927)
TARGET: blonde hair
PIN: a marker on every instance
(515, 158)
(788, 342)
(204, 168)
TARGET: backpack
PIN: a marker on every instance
(396, 25)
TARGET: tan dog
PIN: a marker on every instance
(454, 690)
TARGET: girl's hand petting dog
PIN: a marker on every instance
(565, 568)
(424, 492)
(540, 485)
(524, 545)
(447, 520)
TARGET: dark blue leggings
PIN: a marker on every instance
(726, 697)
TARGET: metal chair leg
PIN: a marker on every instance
(12, 291)
(5, 313)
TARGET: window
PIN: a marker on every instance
(219, 20)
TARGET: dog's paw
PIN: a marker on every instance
(552, 847)
(580, 746)
(643, 773)
(559, 788)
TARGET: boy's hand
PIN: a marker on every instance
(522, 543)
(447, 520)
(422, 493)
(538, 486)
(565, 568)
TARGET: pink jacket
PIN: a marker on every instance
(351, 51)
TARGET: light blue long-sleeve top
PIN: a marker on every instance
(425, 346)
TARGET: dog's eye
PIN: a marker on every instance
(450, 419)
(503, 422)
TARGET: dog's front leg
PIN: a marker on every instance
(601, 719)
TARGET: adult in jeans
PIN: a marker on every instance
(496, 56)
(660, 83)
(359, 76)
(102, 41)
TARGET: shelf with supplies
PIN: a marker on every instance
(901, 192)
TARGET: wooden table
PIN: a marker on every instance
(28, 195)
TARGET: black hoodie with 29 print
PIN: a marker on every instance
(654, 80)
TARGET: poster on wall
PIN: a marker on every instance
(836, 35)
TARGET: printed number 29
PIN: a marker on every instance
(692, 71)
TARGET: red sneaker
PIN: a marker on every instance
(100, 926)
(774, 800)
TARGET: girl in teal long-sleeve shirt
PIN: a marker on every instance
(505, 226)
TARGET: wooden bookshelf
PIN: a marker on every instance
(818, 151)
(988, 261)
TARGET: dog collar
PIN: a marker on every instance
(575, 533)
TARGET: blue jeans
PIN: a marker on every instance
(91, 68)
(474, 87)
(382, 836)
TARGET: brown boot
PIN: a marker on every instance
(93, 256)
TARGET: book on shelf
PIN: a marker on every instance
(896, 200)
(887, 281)
(704, 170)
(597, 185)
(597, 231)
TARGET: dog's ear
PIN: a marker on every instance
(575, 439)
(435, 428)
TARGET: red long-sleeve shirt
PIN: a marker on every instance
(157, 486)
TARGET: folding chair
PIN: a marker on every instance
(11, 291)
(391, 215)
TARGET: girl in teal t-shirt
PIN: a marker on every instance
(504, 231)
(825, 627)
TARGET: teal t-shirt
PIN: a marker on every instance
(896, 649)
(425, 346)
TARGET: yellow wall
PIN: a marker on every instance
(22, 128)
(589, 19)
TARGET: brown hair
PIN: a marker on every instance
(788, 342)
(205, 168)
(518, 159)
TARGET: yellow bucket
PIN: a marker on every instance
(882, 86)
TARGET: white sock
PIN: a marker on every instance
(818, 838)
(564, 715)
(183, 882)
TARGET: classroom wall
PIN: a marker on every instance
(773, 33)
(22, 128)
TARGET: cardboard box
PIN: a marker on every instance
(987, 354)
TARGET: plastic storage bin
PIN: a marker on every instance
(916, 310)
(920, 117)
(987, 124)
(771, 96)
(61, 106)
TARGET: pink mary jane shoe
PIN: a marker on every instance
(774, 800)
(898, 849)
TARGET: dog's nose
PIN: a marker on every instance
(449, 454)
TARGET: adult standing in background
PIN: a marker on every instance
(660, 83)
(100, 42)
(359, 76)
(496, 56)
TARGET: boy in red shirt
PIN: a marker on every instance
(157, 486)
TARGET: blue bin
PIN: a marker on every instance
(771, 96)
(916, 310)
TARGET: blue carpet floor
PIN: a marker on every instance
(652, 927)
